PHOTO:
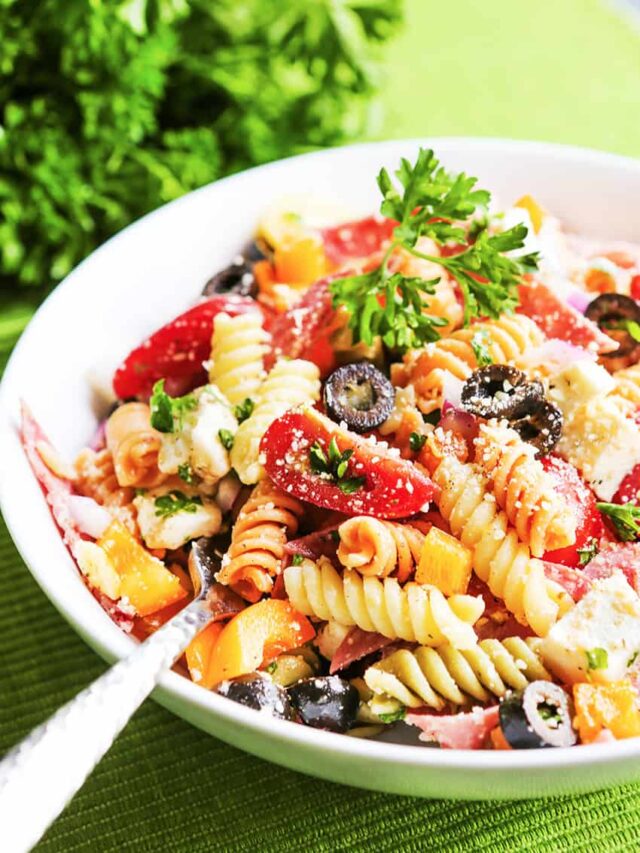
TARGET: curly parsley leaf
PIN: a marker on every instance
(428, 201)
(176, 501)
(167, 413)
(334, 464)
(624, 518)
(244, 410)
(480, 349)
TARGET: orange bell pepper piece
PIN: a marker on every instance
(199, 654)
(610, 706)
(145, 580)
(255, 636)
(300, 260)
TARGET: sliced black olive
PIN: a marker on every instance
(537, 718)
(359, 395)
(260, 693)
(542, 427)
(500, 391)
(327, 702)
(612, 312)
(236, 278)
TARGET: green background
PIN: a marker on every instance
(562, 70)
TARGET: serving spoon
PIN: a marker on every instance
(41, 774)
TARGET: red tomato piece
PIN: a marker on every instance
(176, 351)
(393, 487)
(354, 240)
(557, 319)
(629, 489)
(634, 287)
(581, 499)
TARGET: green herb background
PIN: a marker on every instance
(563, 70)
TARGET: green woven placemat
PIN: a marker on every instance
(567, 70)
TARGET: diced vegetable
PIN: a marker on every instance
(606, 706)
(366, 479)
(300, 261)
(536, 213)
(144, 580)
(199, 654)
(256, 636)
(444, 562)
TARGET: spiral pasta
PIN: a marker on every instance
(404, 421)
(258, 539)
(376, 548)
(506, 339)
(238, 347)
(289, 383)
(416, 613)
(134, 445)
(96, 478)
(499, 558)
(522, 488)
(426, 676)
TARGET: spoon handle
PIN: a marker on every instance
(41, 774)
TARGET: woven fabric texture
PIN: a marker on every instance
(567, 70)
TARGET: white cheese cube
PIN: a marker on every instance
(200, 517)
(578, 383)
(198, 444)
(597, 639)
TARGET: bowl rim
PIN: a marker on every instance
(113, 644)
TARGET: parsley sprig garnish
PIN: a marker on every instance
(167, 413)
(335, 465)
(431, 202)
(480, 349)
(588, 552)
(174, 502)
(624, 518)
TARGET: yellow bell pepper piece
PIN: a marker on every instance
(536, 213)
(444, 562)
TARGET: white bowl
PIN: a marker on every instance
(156, 268)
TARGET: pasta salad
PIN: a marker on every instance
(411, 445)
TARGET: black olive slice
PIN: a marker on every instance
(260, 693)
(327, 702)
(538, 718)
(500, 391)
(359, 395)
(237, 278)
(542, 427)
(612, 312)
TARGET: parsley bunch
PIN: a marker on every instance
(110, 109)
(431, 202)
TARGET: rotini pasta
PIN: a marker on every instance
(404, 421)
(258, 539)
(96, 478)
(427, 676)
(506, 339)
(415, 613)
(238, 347)
(134, 445)
(541, 517)
(376, 548)
(499, 558)
(290, 383)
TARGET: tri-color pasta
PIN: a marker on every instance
(377, 548)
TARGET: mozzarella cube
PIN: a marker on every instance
(198, 444)
(598, 639)
(578, 383)
(172, 530)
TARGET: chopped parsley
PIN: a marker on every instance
(296, 560)
(167, 412)
(430, 202)
(597, 658)
(185, 472)
(394, 716)
(272, 667)
(243, 410)
(226, 438)
(549, 713)
(480, 349)
(335, 465)
(588, 552)
(624, 518)
(416, 441)
(176, 501)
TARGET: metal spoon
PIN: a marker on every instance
(41, 774)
